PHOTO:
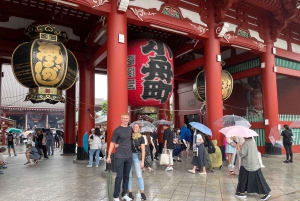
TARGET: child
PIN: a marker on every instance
(2, 161)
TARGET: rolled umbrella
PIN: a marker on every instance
(109, 182)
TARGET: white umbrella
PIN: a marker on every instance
(238, 131)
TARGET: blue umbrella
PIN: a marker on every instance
(86, 142)
(201, 127)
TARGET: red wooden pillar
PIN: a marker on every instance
(164, 113)
(212, 70)
(176, 106)
(269, 88)
(69, 123)
(86, 114)
(116, 69)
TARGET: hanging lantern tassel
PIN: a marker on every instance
(203, 108)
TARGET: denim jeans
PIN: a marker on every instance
(123, 166)
(49, 144)
(92, 151)
(136, 163)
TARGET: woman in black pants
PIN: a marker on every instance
(287, 143)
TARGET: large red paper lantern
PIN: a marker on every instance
(150, 73)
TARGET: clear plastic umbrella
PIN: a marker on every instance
(232, 120)
(143, 123)
(274, 137)
(162, 122)
(295, 124)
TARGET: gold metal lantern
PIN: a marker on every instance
(199, 86)
(44, 65)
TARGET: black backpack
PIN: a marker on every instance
(211, 148)
(288, 140)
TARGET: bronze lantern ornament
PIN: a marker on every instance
(199, 87)
(44, 65)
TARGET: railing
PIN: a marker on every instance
(287, 63)
(260, 139)
(254, 118)
(244, 66)
(288, 117)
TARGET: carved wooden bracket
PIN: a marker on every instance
(140, 13)
(221, 29)
(200, 29)
(99, 3)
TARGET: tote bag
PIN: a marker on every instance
(164, 158)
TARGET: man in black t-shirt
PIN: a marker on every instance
(10, 143)
(121, 139)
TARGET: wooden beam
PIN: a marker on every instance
(187, 47)
(97, 32)
(239, 59)
(98, 56)
(287, 54)
(288, 72)
(246, 73)
(192, 65)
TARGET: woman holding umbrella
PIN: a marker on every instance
(200, 159)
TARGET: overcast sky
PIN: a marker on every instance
(101, 86)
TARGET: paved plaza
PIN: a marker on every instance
(60, 179)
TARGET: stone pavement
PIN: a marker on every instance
(59, 179)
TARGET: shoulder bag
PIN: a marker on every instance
(137, 150)
(164, 158)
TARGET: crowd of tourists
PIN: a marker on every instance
(135, 149)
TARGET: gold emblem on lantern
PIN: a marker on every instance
(50, 68)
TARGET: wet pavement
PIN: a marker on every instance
(60, 179)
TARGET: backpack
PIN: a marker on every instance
(288, 139)
(188, 136)
(211, 148)
(49, 136)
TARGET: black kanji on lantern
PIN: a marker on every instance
(156, 90)
(158, 82)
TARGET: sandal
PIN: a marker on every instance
(191, 171)
(27, 163)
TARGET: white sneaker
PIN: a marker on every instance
(89, 166)
(97, 165)
(116, 199)
(169, 168)
(126, 198)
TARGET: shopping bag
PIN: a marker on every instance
(164, 158)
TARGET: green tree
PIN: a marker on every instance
(104, 108)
